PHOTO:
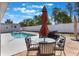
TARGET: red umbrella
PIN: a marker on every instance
(75, 26)
(44, 28)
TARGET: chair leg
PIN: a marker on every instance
(64, 53)
(61, 53)
(27, 53)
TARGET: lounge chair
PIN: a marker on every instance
(60, 44)
(30, 47)
(46, 49)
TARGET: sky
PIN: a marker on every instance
(18, 11)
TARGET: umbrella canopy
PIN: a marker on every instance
(3, 7)
(75, 26)
(44, 28)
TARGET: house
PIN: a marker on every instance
(9, 27)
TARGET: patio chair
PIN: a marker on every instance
(53, 35)
(46, 49)
(60, 45)
(30, 47)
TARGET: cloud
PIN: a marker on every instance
(8, 15)
(24, 10)
(30, 11)
(26, 16)
(40, 6)
(38, 13)
(8, 8)
(49, 17)
(49, 4)
(37, 6)
(23, 4)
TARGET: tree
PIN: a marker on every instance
(8, 21)
(32, 22)
(55, 11)
(77, 9)
(70, 9)
(62, 17)
(25, 22)
(38, 20)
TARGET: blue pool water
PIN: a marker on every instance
(21, 35)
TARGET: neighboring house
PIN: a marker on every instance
(9, 27)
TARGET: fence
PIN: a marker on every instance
(69, 28)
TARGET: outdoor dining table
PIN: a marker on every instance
(37, 40)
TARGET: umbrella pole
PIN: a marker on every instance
(44, 38)
(76, 37)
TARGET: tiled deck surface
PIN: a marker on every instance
(71, 49)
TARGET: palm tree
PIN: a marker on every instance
(8, 21)
(77, 9)
(37, 19)
(70, 9)
(55, 11)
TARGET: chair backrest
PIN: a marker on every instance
(47, 48)
(61, 42)
(27, 41)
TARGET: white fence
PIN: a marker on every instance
(60, 28)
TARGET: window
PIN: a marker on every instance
(14, 26)
(6, 27)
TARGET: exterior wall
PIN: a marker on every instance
(15, 27)
(60, 28)
(9, 27)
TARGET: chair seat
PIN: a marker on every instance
(59, 48)
(33, 47)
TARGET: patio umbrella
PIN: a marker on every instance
(3, 7)
(44, 28)
(75, 26)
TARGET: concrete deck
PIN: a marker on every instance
(17, 47)
(71, 49)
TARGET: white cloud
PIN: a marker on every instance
(23, 4)
(49, 17)
(35, 6)
(30, 11)
(24, 10)
(11, 16)
(19, 9)
(40, 6)
(8, 8)
(49, 4)
(38, 13)
(27, 16)
(8, 15)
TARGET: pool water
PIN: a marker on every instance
(21, 35)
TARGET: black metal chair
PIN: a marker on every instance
(30, 47)
(60, 45)
(53, 35)
(46, 49)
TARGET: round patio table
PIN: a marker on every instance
(37, 40)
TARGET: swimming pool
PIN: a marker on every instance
(21, 35)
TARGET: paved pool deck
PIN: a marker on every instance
(11, 46)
